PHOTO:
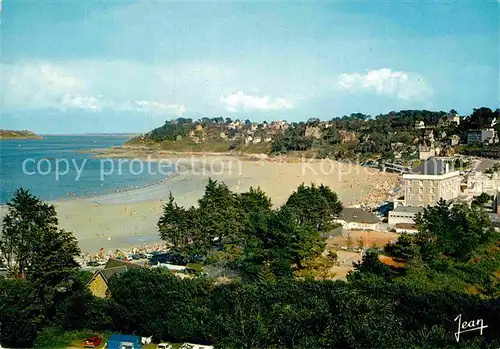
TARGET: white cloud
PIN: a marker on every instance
(81, 102)
(240, 101)
(45, 86)
(38, 86)
(156, 107)
(403, 85)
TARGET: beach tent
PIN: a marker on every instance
(124, 341)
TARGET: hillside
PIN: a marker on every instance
(396, 136)
(11, 134)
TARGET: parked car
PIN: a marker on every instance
(92, 342)
(196, 346)
(163, 346)
(92, 264)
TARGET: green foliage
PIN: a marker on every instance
(254, 200)
(219, 213)
(19, 313)
(30, 240)
(173, 308)
(404, 248)
(241, 231)
(481, 199)
(456, 249)
(174, 225)
(370, 264)
(55, 338)
(272, 313)
(34, 247)
(170, 130)
(317, 206)
(455, 231)
(481, 118)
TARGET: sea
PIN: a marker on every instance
(54, 168)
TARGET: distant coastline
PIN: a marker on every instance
(23, 134)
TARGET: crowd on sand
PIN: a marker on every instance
(144, 249)
(383, 186)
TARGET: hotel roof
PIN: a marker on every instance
(433, 167)
(410, 209)
(352, 214)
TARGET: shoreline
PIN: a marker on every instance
(128, 218)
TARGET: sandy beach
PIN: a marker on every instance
(126, 219)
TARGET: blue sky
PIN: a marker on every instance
(114, 66)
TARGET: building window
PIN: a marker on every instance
(420, 190)
(421, 183)
(431, 190)
(409, 197)
(420, 197)
(432, 198)
(409, 189)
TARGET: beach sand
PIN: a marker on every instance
(127, 219)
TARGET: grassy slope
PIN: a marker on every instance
(209, 145)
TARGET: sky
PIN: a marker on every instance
(115, 66)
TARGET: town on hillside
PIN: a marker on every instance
(399, 137)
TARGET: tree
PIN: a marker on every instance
(268, 241)
(361, 243)
(332, 257)
(33, 246)
(349, 241)
(221, 218)
(18, 313)
(481, 118)
(31, 242)
(313, 122)
(254, 200)
(370, 264)
(174, 224)
(403, 248)
(331, 135)
(455, 231)
(317, 206)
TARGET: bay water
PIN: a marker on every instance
(53, 168)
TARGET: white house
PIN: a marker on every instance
(403, 215)
(353, 218)
(419, 125)
(479, 183)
